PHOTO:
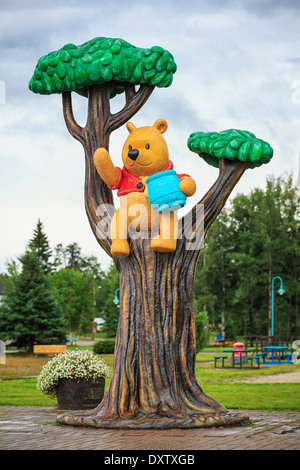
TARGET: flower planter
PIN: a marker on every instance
(164, 193)
(79, 393)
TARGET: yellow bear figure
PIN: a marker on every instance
(144, 153)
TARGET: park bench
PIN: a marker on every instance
(49, 348)
(219, 357)
(261, 355)
(251, 358)
(288, 356)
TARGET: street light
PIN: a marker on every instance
(116, 299)
(280, 291)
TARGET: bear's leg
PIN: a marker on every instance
(166, 241)
(119, 231)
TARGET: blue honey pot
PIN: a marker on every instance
(164, 193)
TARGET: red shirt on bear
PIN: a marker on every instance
(129, 183)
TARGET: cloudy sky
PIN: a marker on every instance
(238, 67)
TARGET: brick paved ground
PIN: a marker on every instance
(32, 428)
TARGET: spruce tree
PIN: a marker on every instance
(40, 244)
(30, 312)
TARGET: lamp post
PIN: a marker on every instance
(116, 299)
(280, 291)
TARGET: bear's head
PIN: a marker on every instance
(145, 151)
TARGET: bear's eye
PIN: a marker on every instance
(147, 146)
(130, 147)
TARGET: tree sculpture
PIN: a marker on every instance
(153, 382)
(100, 69)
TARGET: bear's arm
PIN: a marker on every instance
(187, 185)
(105, 167)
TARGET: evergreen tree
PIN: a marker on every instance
(30, 312)
(104, 301)
(214, 277)
(74, 292)
(71, 257)
(256, 239)
(74, 257)
(40, 244)
(250, 291)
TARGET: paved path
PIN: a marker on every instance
(33, 428)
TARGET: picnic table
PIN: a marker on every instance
(274, 350)
(240, 354)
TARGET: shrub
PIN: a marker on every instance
(71, 364)
(201, 320)
(106, 346)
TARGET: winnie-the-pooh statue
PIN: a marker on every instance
(145, 153)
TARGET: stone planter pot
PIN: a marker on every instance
(79, 393)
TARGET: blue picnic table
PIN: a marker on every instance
(274, 350)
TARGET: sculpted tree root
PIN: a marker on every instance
(155, 421)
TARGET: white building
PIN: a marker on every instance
(99, 322)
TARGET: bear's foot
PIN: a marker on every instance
(163, 245)
(120, 248)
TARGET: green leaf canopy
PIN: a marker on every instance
(231, 144)
(100, 60)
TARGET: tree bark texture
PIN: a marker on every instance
(153, 384)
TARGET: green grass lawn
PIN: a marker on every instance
(220, 384)
(251, 396)
(217, 383)
(23, 392)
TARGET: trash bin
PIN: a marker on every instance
(219, 340)
(239, 356)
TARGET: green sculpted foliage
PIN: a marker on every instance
(231, 144)
(75, 68)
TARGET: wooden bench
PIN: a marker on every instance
(49, 348)
(219, 357)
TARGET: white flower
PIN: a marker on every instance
(76, 363)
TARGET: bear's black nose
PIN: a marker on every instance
(133, 154)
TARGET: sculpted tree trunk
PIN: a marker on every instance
(153, 384)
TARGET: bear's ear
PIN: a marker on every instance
(161, 125)
(130, 127)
